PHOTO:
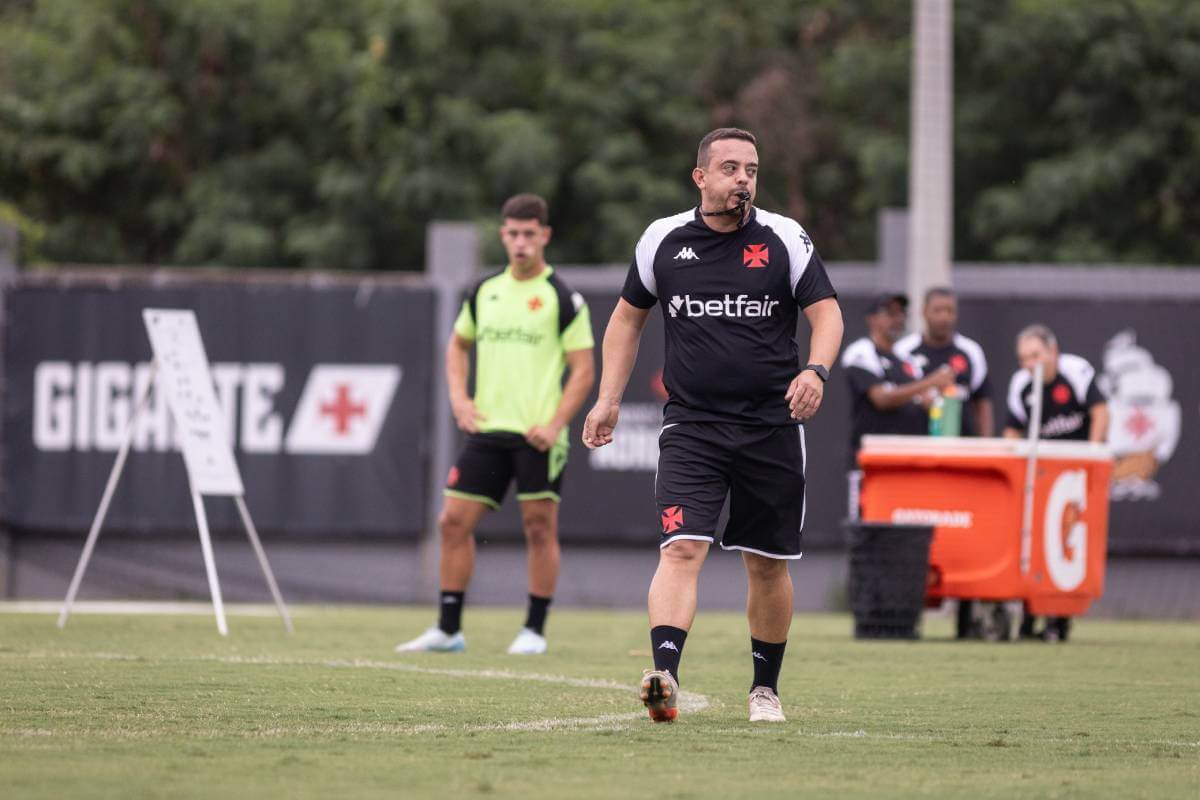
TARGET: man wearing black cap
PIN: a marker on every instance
(890, 394)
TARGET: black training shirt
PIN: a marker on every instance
(730, 304)
(865, 366)
(1066, 401)
(965, 357)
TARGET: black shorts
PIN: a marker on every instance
(761, 468)
(489, 462)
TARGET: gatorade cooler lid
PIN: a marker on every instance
(972, 445)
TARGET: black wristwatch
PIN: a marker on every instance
(822, 373)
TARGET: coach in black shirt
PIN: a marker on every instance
(731, 280)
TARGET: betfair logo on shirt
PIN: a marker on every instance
(729, 306)
(513, 335)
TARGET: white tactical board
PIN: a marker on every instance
(181, 374)
(187, 385)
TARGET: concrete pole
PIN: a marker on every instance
(931, 152)
(10, 243)
(892, 248)
(452, 262)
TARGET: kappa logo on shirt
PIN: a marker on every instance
(755, 256)
(686, 254)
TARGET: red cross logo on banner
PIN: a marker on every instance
(1139, 423)
(342, 410)
(672, 519)
(755, 256)
(535, 303)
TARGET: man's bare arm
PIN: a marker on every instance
(458, 366)
(985, 422)
(888, 396)
(580, 378)
(618, 354)
(806, 391)
(1098, 432)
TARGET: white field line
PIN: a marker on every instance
(138, 607)
(689, 702)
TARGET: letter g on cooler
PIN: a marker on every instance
(1065, 531)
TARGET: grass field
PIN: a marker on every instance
(161, 706)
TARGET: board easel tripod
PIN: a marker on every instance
(180, 372)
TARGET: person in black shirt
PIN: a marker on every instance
(1072, 406)
(1073, 409)
(891, 395)
(731, 280)
(941, 344)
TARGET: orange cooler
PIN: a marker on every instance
(973, 492)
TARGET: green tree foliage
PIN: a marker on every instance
(301, 134)
(291, 133)
(1078, 131)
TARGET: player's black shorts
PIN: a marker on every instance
(489, 462)
(761, 468)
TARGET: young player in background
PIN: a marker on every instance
(525, 326)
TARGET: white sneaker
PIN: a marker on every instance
(527, 643)
(434, 640)
(765, 706)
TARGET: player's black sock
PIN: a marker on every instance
(768, 658)
(667, 644)
(450, 606)
(535, 619)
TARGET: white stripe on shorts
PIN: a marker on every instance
(692, 537)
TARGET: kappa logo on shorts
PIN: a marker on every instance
(672, 519)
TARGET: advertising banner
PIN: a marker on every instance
(325, 392)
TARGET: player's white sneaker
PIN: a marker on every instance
(434, 640)
(765, 706)
(528, 643)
